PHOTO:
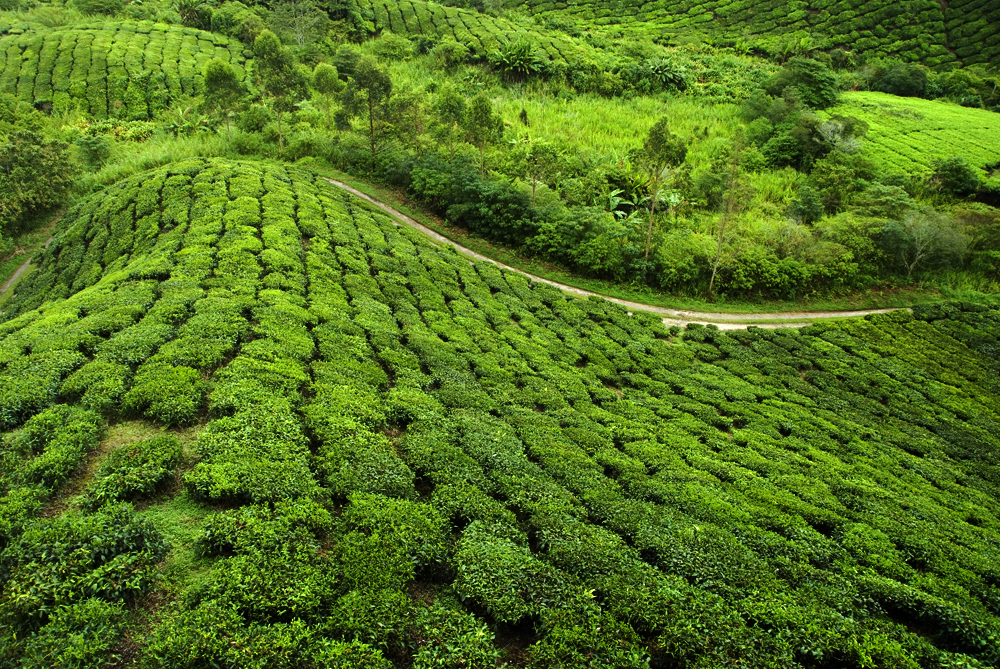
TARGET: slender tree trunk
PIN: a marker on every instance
(229, 134)
(371, 128)
(652, 213)
(718, 254)
(281, 137)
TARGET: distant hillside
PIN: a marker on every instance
(909, 135)
(943, 34)
(113, 68)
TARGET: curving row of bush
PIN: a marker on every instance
(117, 69)
(389, 423)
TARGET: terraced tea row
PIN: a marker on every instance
(963, 32)
(481, 32)
(113, 69)
(696, 497)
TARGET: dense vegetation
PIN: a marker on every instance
(247, 421)
(390, 425)
(127, 70)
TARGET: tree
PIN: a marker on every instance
(662, 152)
(814, 81)
(298, 21)
(223, 89)
(807, 206)
(367, 94)
(907, 80)
(922, 238)
(326, 81)
(735, 199)
(955, 176)
(278, 76)
(35, 175)
(483, 126)
(449, 108)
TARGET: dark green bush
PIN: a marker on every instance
(134, 471)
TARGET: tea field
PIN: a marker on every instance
(401, 458)
(908, 135)
(119, 69)
(963, 32)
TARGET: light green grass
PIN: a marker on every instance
(910, 134)
(180, 519)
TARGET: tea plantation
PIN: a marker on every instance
(937, 34)
(406, 459)
(119, 69)
(910, 135)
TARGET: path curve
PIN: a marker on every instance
(14, 277)
(680, 317)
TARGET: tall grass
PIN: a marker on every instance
(130, 158)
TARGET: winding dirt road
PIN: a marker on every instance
(788, 319)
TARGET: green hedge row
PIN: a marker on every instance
(634, 495)
(919, 30)
(120, 69)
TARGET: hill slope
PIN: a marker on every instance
(909, 135)
(962, 32)
(597, 488)
(117, 68)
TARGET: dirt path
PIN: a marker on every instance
(788, 319)
(20, 270)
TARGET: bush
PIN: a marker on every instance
(449, 638)
(36, 175)
(77, 636)
(813, 80)
(956, 177)
(134, 471)
(171, 394)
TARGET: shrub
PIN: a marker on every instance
(171, 394)
(134, 471)
(77, 636)
(452, 638)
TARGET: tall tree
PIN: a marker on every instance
(662, 152)
(483, 126)
(326, 81)
(299, 21)
(367, 95)
(223, 89)
(733, 201)
(449, 109)
(278, 76)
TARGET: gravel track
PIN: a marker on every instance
(680, 317)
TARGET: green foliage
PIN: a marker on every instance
(36, 175)
(167, 393)
(110, 555)
(131, 70)
(386, 419)
(956, 177)
(77, 636)
(449, 638)
(813, 81)
(134, 471)
(517, 60)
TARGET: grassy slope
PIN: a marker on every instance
(909, 134)
(773, 479)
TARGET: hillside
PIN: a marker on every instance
(131, 70)
(938, 34)
(909, 134)
(386, 455)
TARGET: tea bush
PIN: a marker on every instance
(135, 471)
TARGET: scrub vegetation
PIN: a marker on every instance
(248, 420)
